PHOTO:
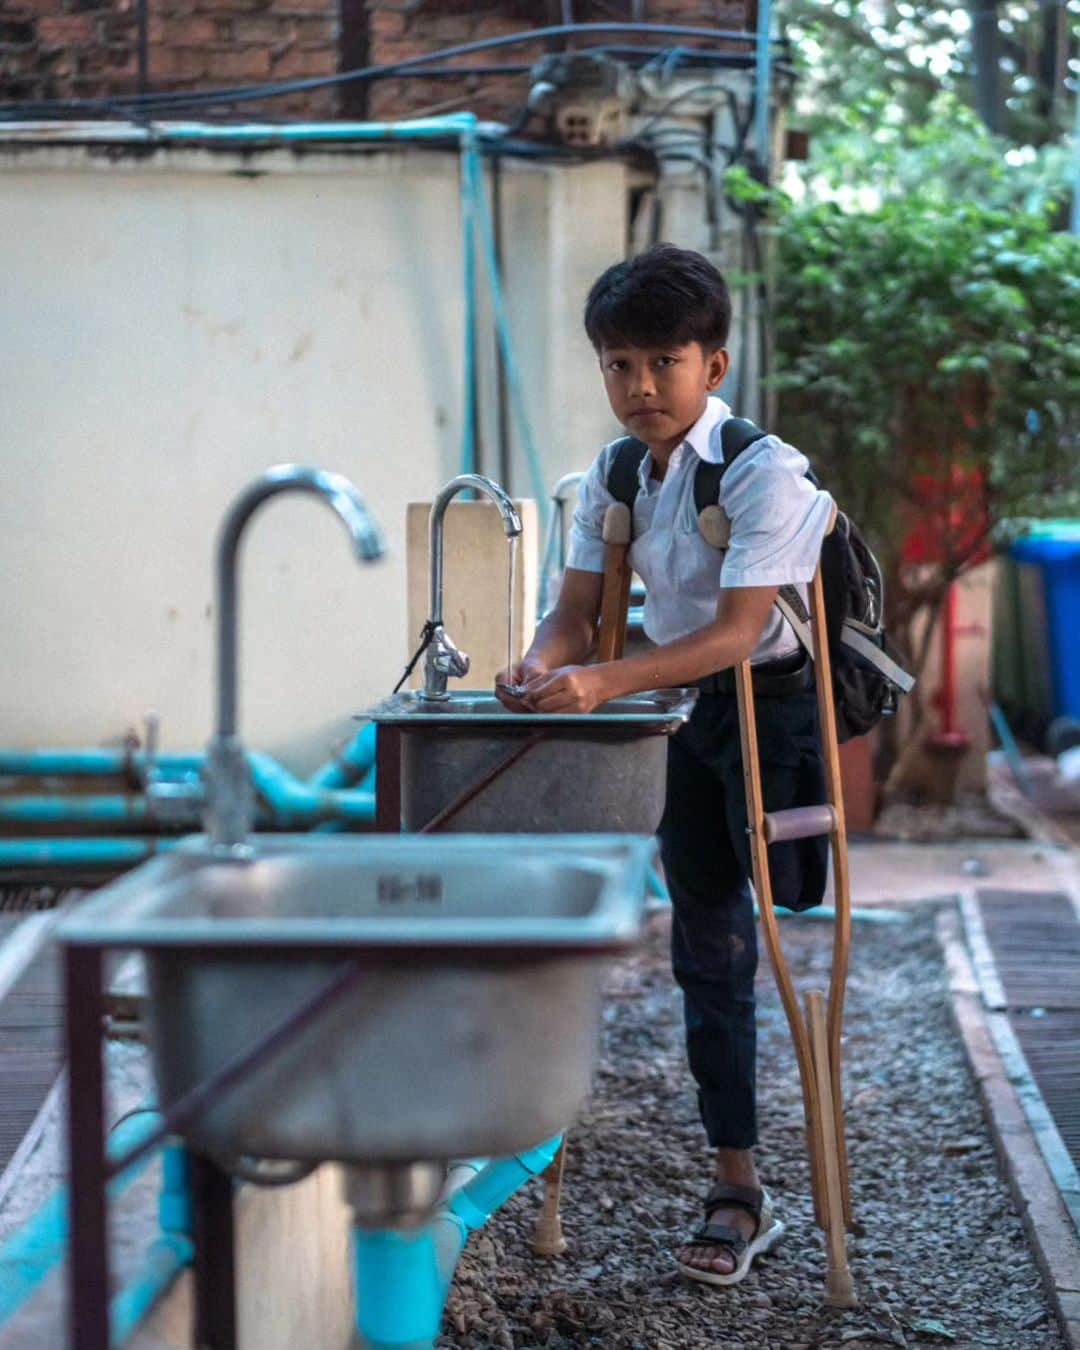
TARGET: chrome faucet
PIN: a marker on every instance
(229, 800)
(442, 658)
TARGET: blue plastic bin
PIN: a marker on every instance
(1054, 547)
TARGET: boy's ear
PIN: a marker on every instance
(716, 367)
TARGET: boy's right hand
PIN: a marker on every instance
(522, 673)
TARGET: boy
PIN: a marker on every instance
(659, 324)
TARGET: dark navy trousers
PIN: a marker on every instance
(706, 856)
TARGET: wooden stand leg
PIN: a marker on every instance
(839, 1287)
(548, 1239)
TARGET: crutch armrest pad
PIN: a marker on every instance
(617, 524)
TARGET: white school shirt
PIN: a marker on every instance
(778, 520)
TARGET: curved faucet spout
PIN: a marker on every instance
(443, 657)
(228, 819)
(510, 518)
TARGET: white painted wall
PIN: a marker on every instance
(175, 321)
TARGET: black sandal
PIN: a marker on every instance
(767, 1232)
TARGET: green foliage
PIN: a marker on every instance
(905, 53)
(949, 153)
(924, 328)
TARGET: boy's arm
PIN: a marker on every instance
(564, 636)
(741, 614)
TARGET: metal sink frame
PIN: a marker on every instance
(465, 763)
(470, 1031)
(166, 908)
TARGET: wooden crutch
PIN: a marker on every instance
(548, 1239)
(817, 1034)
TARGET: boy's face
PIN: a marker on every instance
(658, 393)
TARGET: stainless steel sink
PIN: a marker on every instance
(657, 710)
(593, 772)
(472, 1030)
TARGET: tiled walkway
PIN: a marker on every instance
(31, 1033)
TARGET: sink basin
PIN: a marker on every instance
(592, 773)
(472, 1031)
(662, 710)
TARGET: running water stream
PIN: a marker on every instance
(513, 542)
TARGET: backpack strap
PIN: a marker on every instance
(790, 604)
(736, 435)
(622, 478)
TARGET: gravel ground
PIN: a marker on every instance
(941, 1259)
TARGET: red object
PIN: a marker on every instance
(860, 792)
(950, 736)
(953, 518)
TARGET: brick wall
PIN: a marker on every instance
(403, 28)
(88, 48)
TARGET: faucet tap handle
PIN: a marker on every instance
(450, 660)
(443, 659)
(170, 801)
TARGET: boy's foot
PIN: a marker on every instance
(721, 1259)
(734, 1167)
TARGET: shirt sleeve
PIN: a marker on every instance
(778, 518)
(586, 549)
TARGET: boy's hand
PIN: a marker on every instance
(520, 674)
(573, 689)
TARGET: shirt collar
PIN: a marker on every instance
(704, 436)
(704, 439)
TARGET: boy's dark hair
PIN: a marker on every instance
(666, 297)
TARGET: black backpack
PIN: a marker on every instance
(867, 677)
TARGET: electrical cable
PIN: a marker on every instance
(426, 635)
(248, 93)
(679, 98)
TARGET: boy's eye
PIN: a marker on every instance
(665, 360)
(617, 364)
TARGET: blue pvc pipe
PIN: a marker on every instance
(355, 762)
(296, 803)
(762, 84)
(479, 1198)
(292, 802)
(470, 189)
(422, 129)
(402, 1278)
(166, 1256)
(118, 808)
(21, 853)
(165, 1259)
(28, 1255)
(343, 770)
(174, 1203)
(655, 885)
(502, 332)
(89, 762)
(399, 1296)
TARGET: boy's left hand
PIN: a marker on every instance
(573, 689)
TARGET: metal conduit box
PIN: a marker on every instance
(592, 772)
(471, 1029)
